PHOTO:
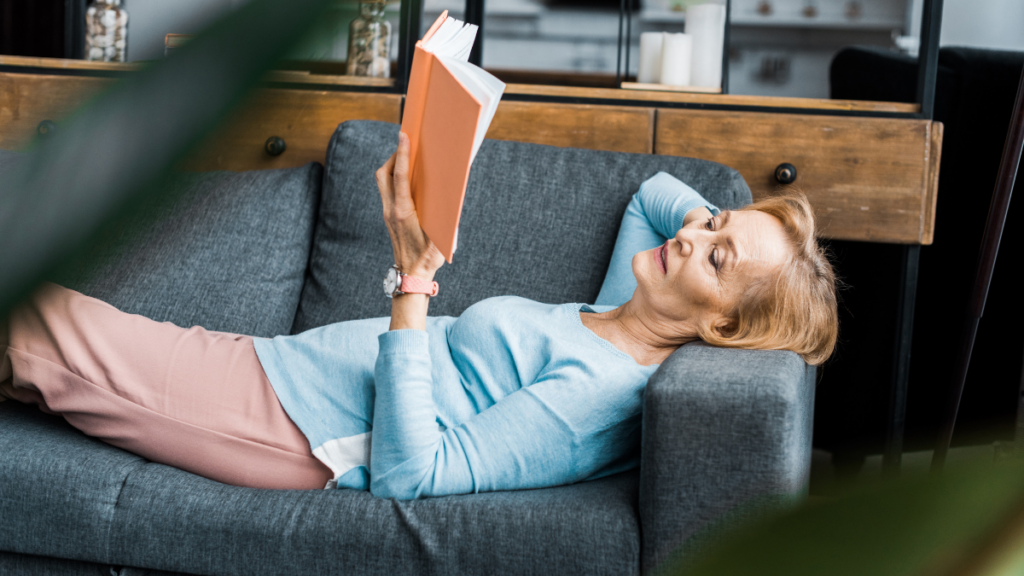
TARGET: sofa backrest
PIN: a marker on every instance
(223, 250)
(538, 222)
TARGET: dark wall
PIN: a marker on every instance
(46, 28)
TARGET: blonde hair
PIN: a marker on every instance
(794, 307)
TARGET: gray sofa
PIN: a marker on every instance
(726, 434)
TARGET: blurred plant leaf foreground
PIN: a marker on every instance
(965, 521)
(107, 160)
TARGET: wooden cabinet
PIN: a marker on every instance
(616, 128)
(869, 179)
(26, 100)
(304, 119)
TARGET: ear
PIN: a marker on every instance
(725, 326)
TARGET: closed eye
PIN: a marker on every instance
(713, 258)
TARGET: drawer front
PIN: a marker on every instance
(872, 179)
(615, 128)
(303, 119)
(26, 100)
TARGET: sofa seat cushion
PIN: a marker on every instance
(223, 250)
(24, 565)
(65, 495)
(538, 222)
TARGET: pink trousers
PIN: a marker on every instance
(189, 398)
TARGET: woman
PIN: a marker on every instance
(512, 394)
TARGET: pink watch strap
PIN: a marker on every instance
(414, 285)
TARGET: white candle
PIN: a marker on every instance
(675, 59)
(650, 58)
(706, 24)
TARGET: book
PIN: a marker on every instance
(448, 108)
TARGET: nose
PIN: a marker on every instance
(687, 239)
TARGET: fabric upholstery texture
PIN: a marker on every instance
(106, 506)
(726, 437)
(58, 488)
(227, 252)
(538, 222)
(24, 565)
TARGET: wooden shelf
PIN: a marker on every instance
(65, 64)
(667, 88)
(716, 99)
(289, 76)
(296, 77)
(574, 92)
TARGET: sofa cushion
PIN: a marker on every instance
(58, 488)
(225, 250)
(68, 496)
(538, 222)
(25, 565)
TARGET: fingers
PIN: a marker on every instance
(400, 180)
(385, 181)
(412, 248)
(402, 160)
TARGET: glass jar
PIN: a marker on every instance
(369, 40)
(106, 32)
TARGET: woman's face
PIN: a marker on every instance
(699, 275)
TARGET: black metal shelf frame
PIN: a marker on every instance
(927, 73)
(411, 29)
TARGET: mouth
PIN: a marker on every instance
(659, 257)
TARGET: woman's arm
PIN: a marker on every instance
(546, 434)
(414, 253)
(661, 207)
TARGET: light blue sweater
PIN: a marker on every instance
(512, 394)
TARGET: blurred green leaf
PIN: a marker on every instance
(968, 521)
(115, 150)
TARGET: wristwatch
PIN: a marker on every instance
(396, 284)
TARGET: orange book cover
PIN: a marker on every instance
(440, 118)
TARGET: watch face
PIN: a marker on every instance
(391, 282)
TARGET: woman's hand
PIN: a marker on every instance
(414, 253)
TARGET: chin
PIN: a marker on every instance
(635, 265)
(644, 274)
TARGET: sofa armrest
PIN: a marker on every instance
(726, 437)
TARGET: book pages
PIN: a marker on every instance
(453, 39)
(483, 86)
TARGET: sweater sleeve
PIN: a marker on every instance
(528, 439)
(654, 215)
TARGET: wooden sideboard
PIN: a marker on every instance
(870, 179)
